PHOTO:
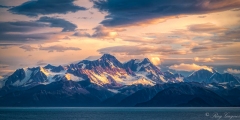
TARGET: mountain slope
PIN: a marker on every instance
(61, 93)
(108, 82)
(212, 77)
(183, 94)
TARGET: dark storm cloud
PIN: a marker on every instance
(25, 37)
(127, 12)
(82, 34)
(44, 7)
(20, 26)
(57, 22)
(19, 31)
(3, 6)
(15, 31)
(8, 45)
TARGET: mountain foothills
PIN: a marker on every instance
(108, 82)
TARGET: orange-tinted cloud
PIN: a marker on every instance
(58, 48)
(189, 67)
(206, 28)
(197, 59)
(28, 48)
(141, 50)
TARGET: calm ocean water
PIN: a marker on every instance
(103, 113)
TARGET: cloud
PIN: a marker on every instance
(16, 31)
(85, 18)
(81, 34)
(141, 50)
(189, 67)
(3, 66)
(156, 38)
(25, 31)
(130, 12)
(232, 71)
(31, 37)
(197, 59)
(58, 48)
(236, 9)
(21, 26)
(5, 72)
(155, 60)
(202, 16)
(34, 8)
(3, 6)
(230, 35)
(28, 48)
(209, 46)
(8, 45)
(206, 28)
(216, 34)
(93, 57)
(103, 32)
(41, 62)
(198, 37)
(57, 22)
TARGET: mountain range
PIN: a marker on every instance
(108, 82)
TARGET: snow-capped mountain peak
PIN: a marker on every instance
(107, 56)
(107, 71)
(146, 61)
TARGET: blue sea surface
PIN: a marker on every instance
(119, 113)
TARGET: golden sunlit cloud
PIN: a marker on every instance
(113, 34)
(189, 67)
(197, 59)
(155, 60)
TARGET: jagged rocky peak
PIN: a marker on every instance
(139, 61)
(107, 56)
(19, 74)
(145, 61)
(214, 71)
(141, 65)
(213, 76)
(201, 75)
(201, 71)
(27, 77)
(134, 63)
(54, 68)
(49, 66)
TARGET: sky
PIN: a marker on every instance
(177, 35)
